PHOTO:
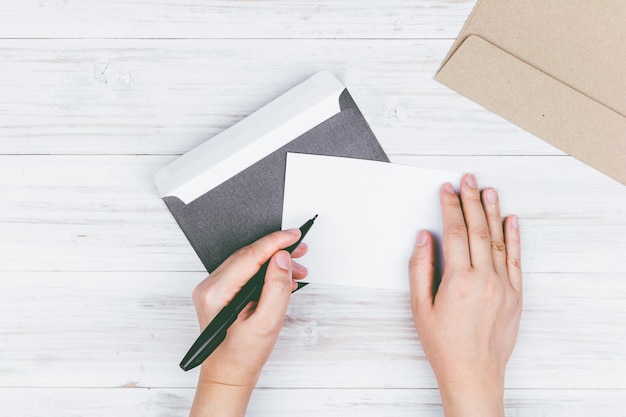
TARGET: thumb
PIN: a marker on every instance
(422, 272)
(276, 292)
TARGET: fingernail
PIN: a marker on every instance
(492, 196)
(471, 180)
(421, 239)
(294, 232)
(514, 222)
(283, 260)
(449, 188)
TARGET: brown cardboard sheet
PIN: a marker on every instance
(555, 68)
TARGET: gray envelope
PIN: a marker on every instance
(234, 195)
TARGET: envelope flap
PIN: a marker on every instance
(243, 144)
(582, 43)
(538, 103)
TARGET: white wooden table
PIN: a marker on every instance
(96, 277)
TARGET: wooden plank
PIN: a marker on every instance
(168, 96)
(22, 402)
(103, 213)
(130, 329)
(233, 19)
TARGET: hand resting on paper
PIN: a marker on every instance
(468, 328)
(229, 374)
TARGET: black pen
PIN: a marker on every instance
(215, 332)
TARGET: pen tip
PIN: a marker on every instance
(314, 217)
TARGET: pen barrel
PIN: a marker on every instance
(251, 291)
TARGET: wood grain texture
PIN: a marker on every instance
(233, 19)
(173, 402)
(102, 213)
(130, 329)
(168, 96)
(96, 277)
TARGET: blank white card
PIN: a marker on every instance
(369, 216)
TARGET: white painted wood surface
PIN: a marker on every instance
(327, 19)
(95, 276)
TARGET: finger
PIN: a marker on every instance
(205, 303)
(513, 252)
(477, 229)
(244, 263)
(270, 310)
(455, 245)
(422, 273)
(298, 271)
(235, 271)
(494, 221)
(300, 251)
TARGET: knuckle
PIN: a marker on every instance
(278, 284)
(458, 231)
(252, 253)
(498, 246)
(195, 297)
(472, 197)
(513, 238)
(515, 263)
(200, 294)
(247, 251)
(481, 232)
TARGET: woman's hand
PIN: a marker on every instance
(469, 324)
(229, 374)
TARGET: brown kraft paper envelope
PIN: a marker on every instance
(555, 68)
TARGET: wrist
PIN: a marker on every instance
(472, 399)
(215, 398)
(228, 371)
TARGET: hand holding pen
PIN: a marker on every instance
(231, 371)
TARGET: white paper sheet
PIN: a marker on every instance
(369, 215)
